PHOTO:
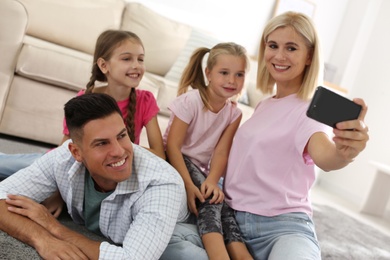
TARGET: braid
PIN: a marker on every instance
(96, 74)
(106, 44)
(130, 125)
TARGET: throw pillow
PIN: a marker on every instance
(163, 38)
(166, 94)
(197, 39)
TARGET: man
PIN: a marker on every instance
(111, 186)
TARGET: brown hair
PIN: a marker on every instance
(106, 43)
(193, 73)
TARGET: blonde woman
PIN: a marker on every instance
(271, 164)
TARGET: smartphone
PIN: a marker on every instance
(331, 108)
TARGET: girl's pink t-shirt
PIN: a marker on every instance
(204, 127)
(146, 109)
(268, 171)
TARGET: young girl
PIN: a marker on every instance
(198, 139)
(119, 62)
(271, 163)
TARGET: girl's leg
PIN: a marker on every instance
(209, 219)
(235, 243)
(210, 229)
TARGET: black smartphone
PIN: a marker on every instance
(331, 108)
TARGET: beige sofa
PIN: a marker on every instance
(48, 48)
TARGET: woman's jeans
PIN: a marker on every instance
(287, 236)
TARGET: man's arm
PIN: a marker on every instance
(42, 217)
(31, 233)
(147, 238)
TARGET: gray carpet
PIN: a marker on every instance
(10, 248)
(341, 237)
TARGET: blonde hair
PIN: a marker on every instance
(193, 73)
(303, 25)
(106, 43)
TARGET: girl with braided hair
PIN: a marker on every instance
(119, 62)
(118, 67)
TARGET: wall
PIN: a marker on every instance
(366, 69)
(243, 22)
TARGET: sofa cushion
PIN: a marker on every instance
(54, 64)
(165, 96)
(151, 83)
(162, 37)
(73, 23)
(35, 110)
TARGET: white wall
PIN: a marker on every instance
(367, 70)
(243, 21)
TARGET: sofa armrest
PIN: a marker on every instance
(13, 23)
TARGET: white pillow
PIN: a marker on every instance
(163, 38)
(151, 83)
(165, 96)
(197, 39)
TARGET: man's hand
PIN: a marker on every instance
(36, 212)
(30, 226)
(54, 248)
(54, 204)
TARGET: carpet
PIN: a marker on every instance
(343, 237)
(340, 237)
(11, 248)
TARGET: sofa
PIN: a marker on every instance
(47, 48)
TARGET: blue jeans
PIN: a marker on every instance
(11, 163)
(287, 236)
(185, 244)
